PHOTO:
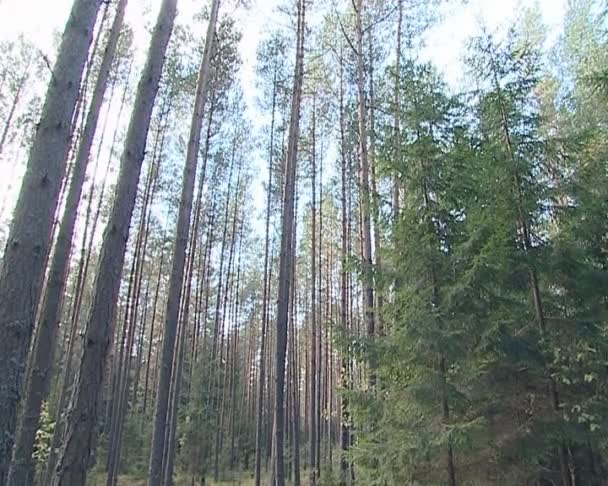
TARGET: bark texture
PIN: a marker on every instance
(155, 468)
(79, 444)
(29, 238)
(37, 385)
(287, 252)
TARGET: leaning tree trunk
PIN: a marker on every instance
(287, 251)
(63, 379)
(29, 237)
(37, 386)
(81, 437)
(155, 468)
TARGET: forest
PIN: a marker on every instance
(378, 275)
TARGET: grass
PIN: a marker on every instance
(99, 479)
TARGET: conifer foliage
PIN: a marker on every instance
(348, 268)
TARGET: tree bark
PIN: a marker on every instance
(29, 238)
(365, 185)
(179, 254)
(397, 119)
(345, 372)
(265, 298)
(314, 466)
(287, 250)
(81, 437)
(122, 375)
(74, 314)
(37, 385)
(375, 199)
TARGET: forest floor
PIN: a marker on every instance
(100, 480)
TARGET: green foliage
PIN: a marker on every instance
(498, 274)
(44, 435)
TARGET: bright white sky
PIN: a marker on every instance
(39, 19)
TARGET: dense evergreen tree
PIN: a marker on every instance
(347, 269)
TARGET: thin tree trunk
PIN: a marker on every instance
(140, 346)
(375, 200)
(265, 298)
(81, 432)
(345, 372)
(397, 120)
(218, 299)
(121, 382)
(220, 426)
(451, 470)
(177, 271)
(294, 384)
(319, 333)
(365, 185)
(169, 446)
(287, 250)
(314, 466)
(179, 359)
(151, 336)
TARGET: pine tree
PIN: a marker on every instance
(287, 251)
(177, 272)
(80, 438)
(38, 382)
(29, 238)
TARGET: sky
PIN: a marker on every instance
(38, 20)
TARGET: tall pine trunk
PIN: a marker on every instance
(313, 431)
(287, 251)
(37, 385)
(397, 119)
(365, 179)
(155, 468)
(80, 440)
(29, 239)
(345, 376)
(265, 298)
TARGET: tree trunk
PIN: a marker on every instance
(29, 238)
(151, 335)
(287, 250)
(397, 120)
(344, 374)
(179, 255)
(375, 200)
(37, 386)
(365, 185)
(81, 431)
(314, 466)
(524, 224)
(74, 315)
(122, 378)
(293, 377)
(265, 298)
